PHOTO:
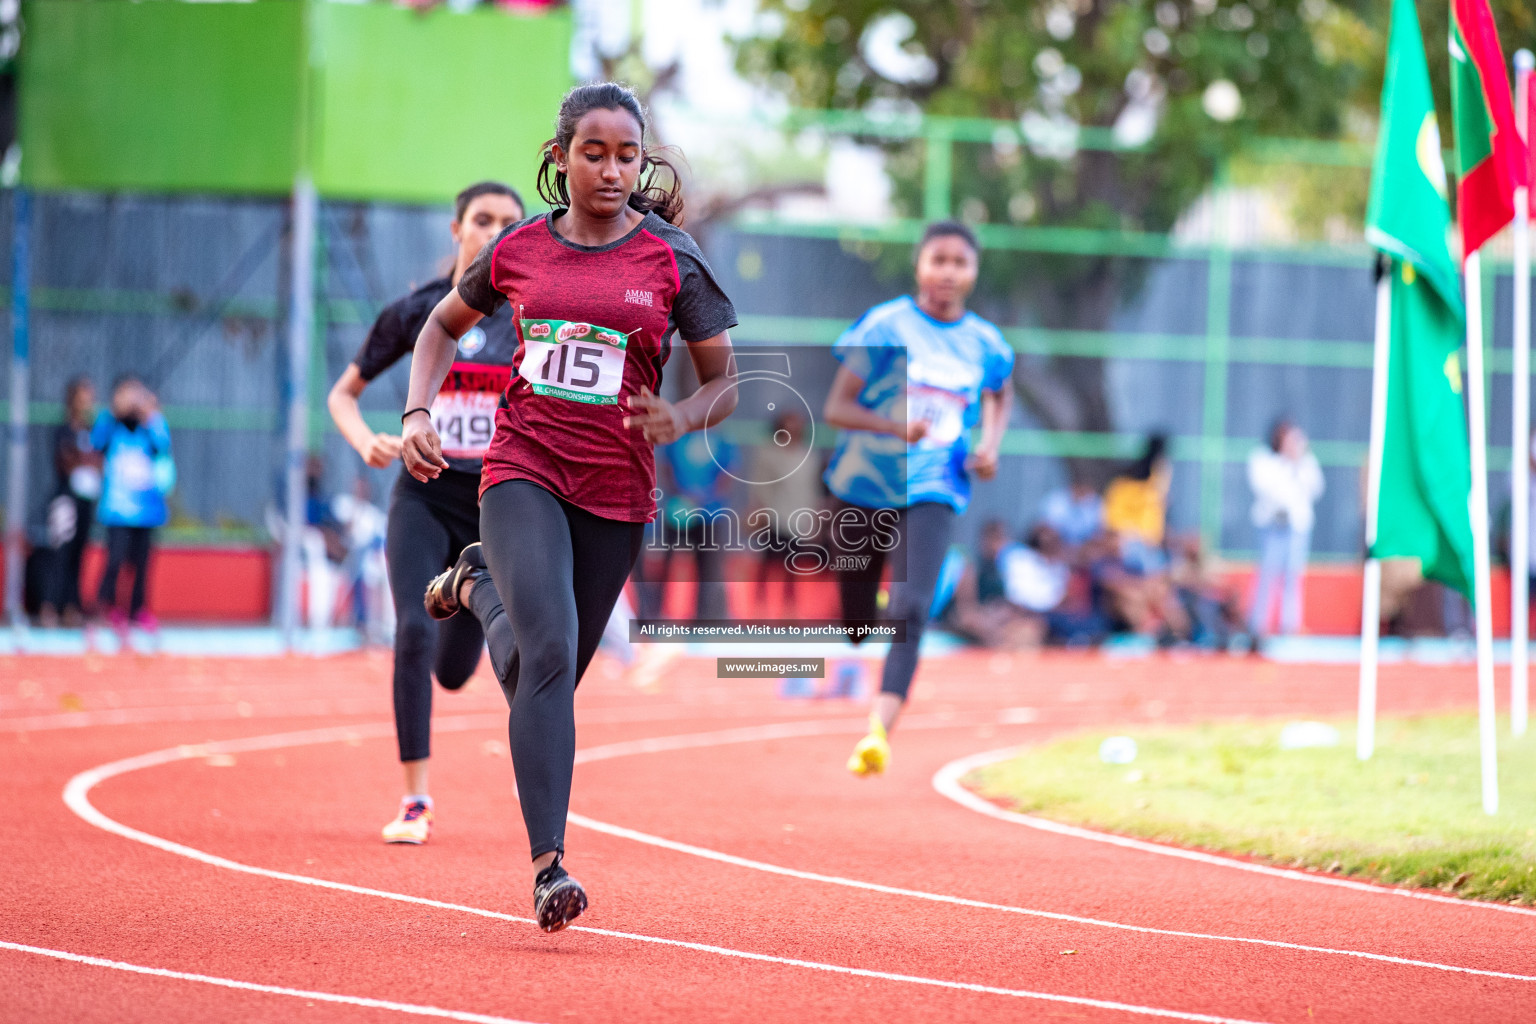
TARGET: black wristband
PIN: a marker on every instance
(419, 408)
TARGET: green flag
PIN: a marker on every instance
(1426, 471)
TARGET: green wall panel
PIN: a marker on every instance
(164, 96)
(414, 107)
(159, 96)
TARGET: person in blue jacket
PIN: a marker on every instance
(917, 375)
(137, 474)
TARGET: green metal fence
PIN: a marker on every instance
(1212, 348)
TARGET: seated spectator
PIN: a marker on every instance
(1075, 512)
(1136, 508)
(1038, 577)
(695, 518)
(989, 576)
(787, 487)
(1132, 597)
(1035, 573)
(978, 609)
(1215, 615)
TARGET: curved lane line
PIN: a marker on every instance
(673, 743)
(947, 782)
(77, 797)
(251, 986)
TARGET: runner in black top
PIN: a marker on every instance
(429, 523)
(600, 286)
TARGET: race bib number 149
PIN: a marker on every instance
(464, 412)
(574, 361)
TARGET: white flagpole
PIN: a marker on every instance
(1520, 508)
(1478, 508)
(1370, 603)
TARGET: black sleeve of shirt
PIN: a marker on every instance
(475, 286)
(388, 339)
(701, 309)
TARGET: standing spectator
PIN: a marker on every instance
(137, 475)
(78, 467)
(1075, 512)
(1286, 482)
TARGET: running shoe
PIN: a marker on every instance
(412, 825)
(442, 599)
(872, 753)
(558, 899)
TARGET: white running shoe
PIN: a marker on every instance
(412, 825)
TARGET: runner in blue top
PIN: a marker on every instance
(917, 375)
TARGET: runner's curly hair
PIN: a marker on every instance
(649, 196)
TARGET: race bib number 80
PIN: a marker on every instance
(574, 361)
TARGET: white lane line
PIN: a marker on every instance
(77, 797)
(318, 707)
(82, 806)
(750, 734)
(251, 986)
(947, 782)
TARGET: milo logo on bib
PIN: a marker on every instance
(575, 361)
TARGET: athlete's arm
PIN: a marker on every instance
(994, 421)
(378, 450)
(662, 422)
(420, 447)
(843, 409)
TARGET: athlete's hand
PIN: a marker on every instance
(983, 462)
(421, 448)
(382, 450)
(658, 419)
(914, 431)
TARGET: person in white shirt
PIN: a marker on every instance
(1286, 482)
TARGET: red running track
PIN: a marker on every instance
(736, 871)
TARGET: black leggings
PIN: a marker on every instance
(64, 588)
(556, 572)
(126, 545)
(923, 531)
(429, 524)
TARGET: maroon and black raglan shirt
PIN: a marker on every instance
(464, 412)
(596, 325)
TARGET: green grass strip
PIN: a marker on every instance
(1412, 815)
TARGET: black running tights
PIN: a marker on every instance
(555, 573)
(427, 530)
(126, 546)
(923, 532)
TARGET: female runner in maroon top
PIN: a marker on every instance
(598, 288)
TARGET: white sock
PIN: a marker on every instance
(415, 798)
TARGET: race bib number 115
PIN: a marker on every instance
(574, 361)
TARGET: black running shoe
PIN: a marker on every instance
(442, 598)
(558, 899)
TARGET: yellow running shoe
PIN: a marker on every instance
(872, 753)
(412, 825)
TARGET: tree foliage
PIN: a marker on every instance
(1183, 85)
